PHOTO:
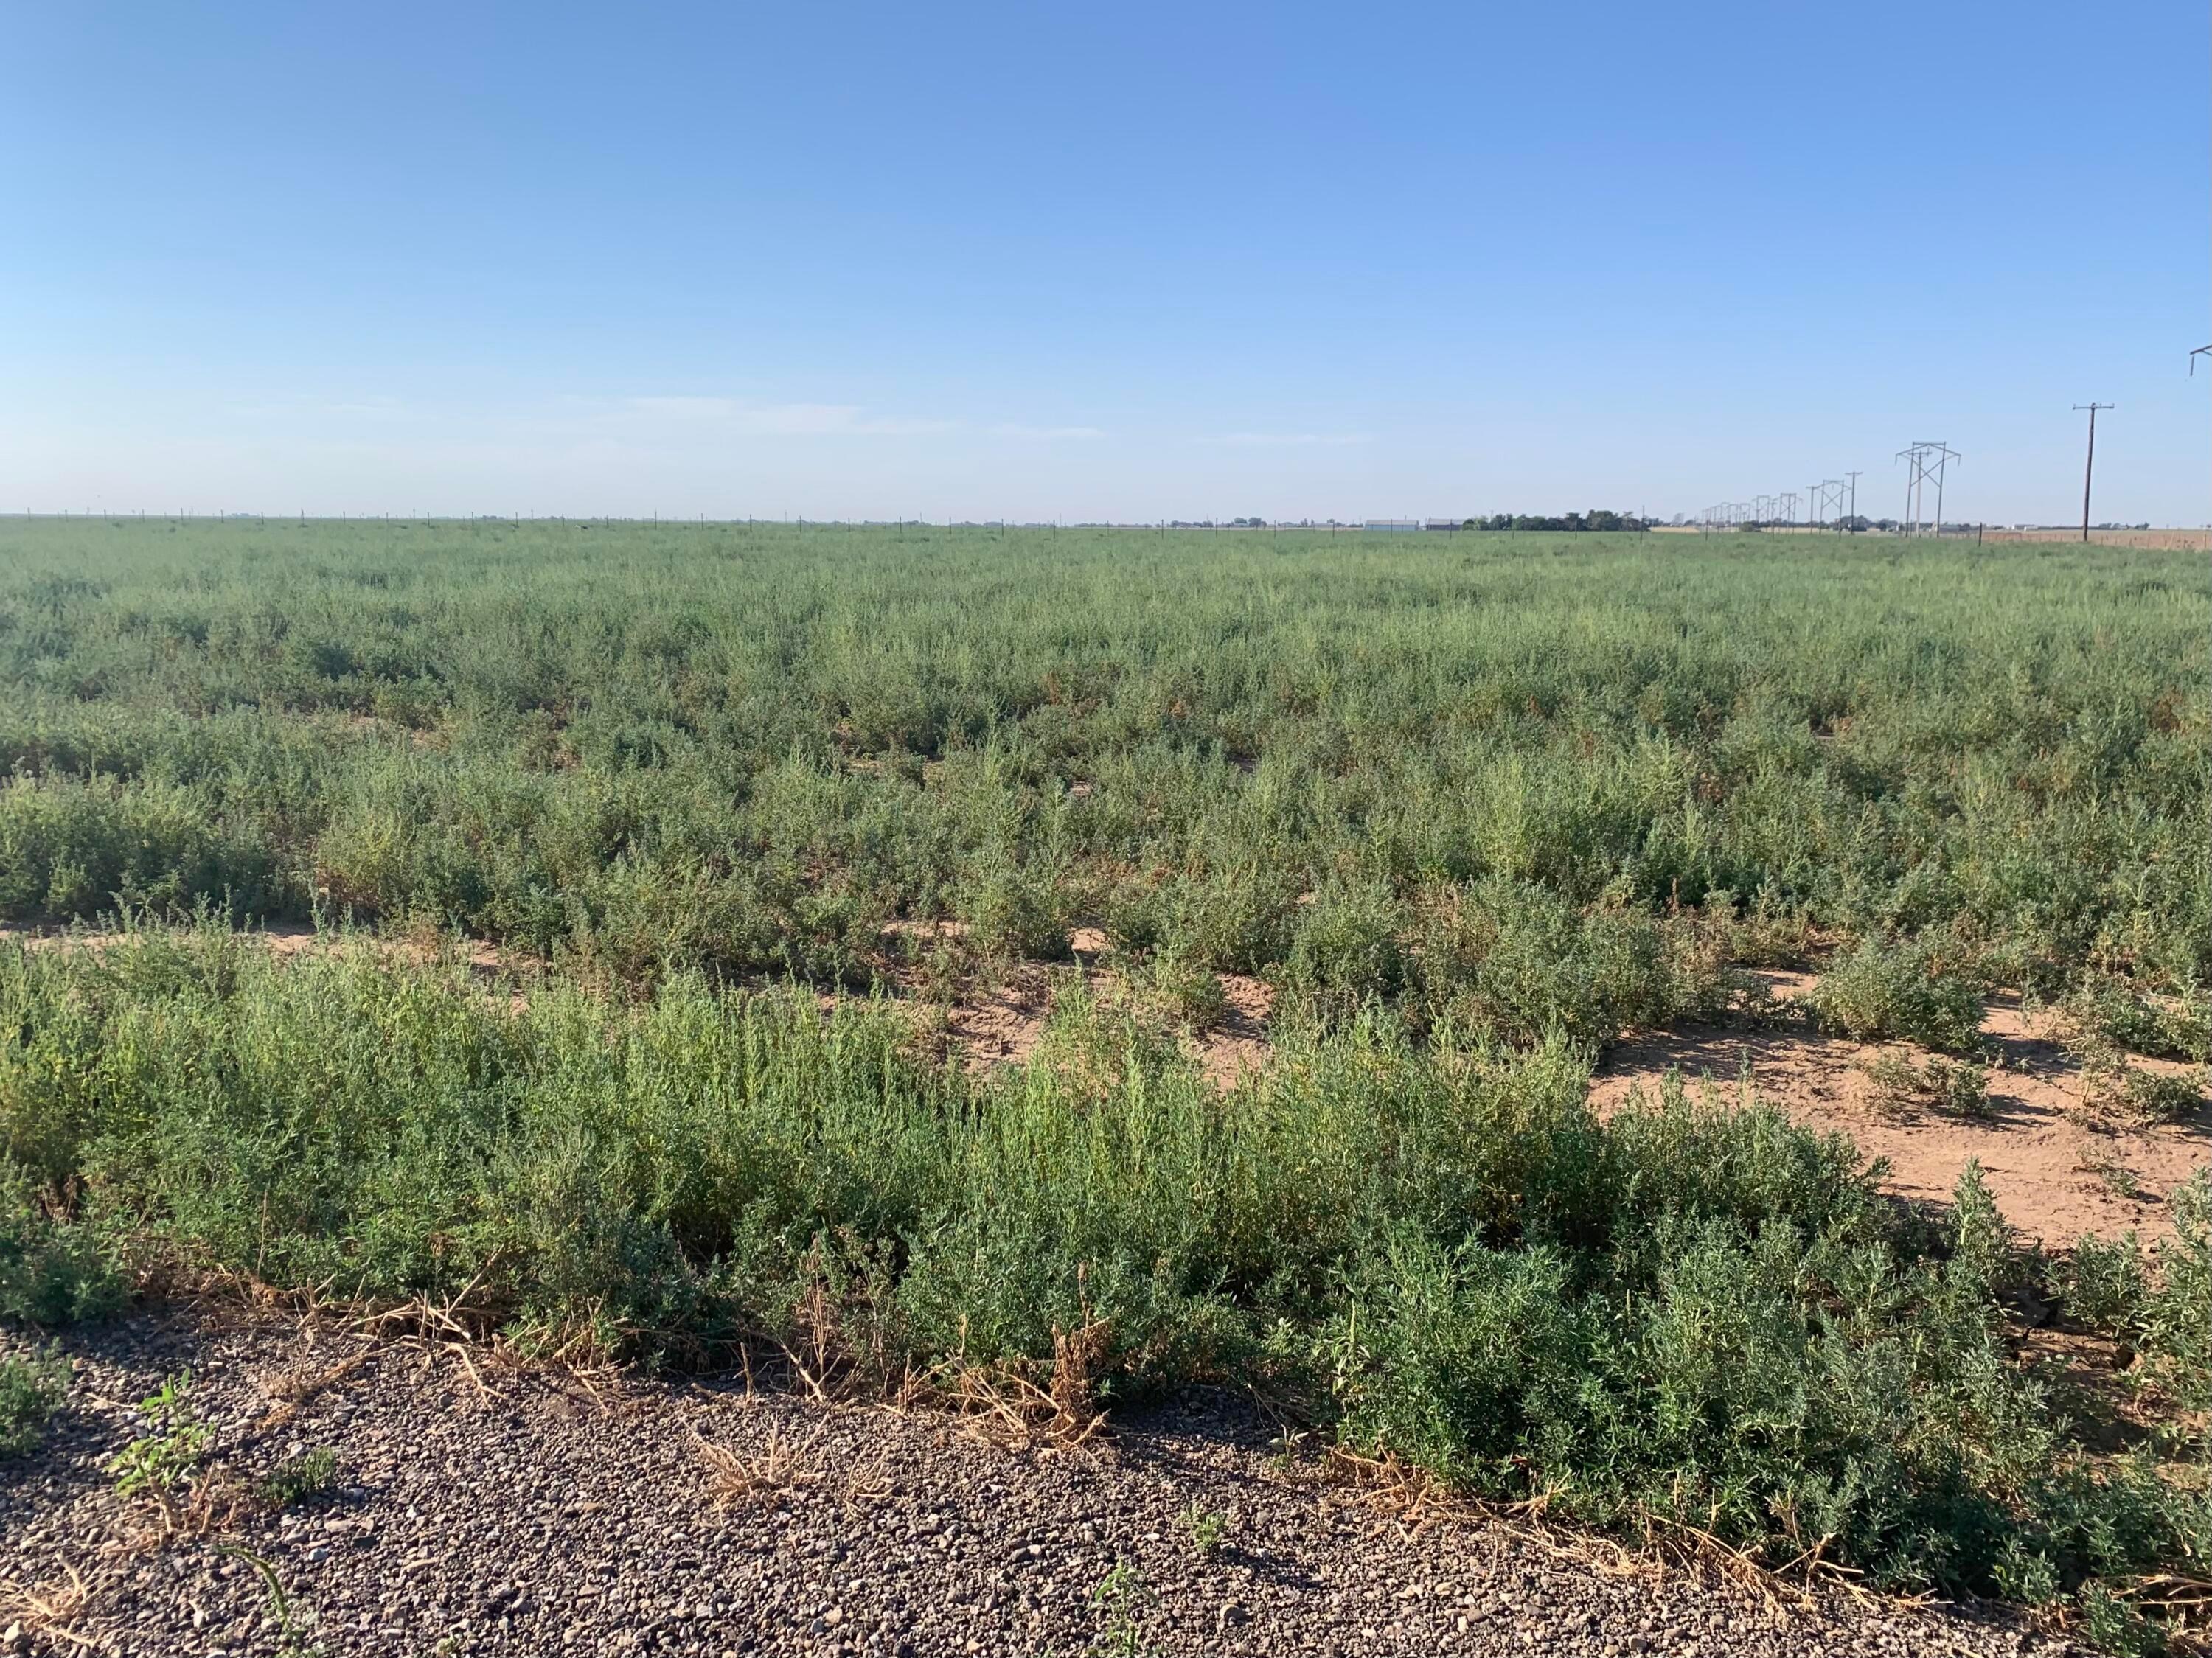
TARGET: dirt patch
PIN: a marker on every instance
(1238, 1041)
(1000, 1026)
(2168, 540)
(1000, 1022)
(286, 940)
(2056, 1171)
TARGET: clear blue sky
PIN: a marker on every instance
(1131, 260)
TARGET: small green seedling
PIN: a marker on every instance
(31, 1390)
(289, 1642)
(169, 1456)
(1206, 1529)
(298, 1479)
(1124, 1596)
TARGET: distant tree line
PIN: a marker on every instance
(1597, 518)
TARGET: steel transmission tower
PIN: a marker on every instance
(1827, 501)
(1926, 461)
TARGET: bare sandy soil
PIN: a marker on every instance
(2057, 1169)
(2167, 540)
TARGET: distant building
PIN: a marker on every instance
(1395, 527)
(1442, 524)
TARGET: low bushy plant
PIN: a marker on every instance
(2104, 1284)
(1189, 995)
(1345, 947)
(32, 1388)
(1514, 961)
(53, 1271)
(1957, 1088)
(2177, 1314)
(298, 1478)
(2106, 1008)
(1684, 1316)
(1884, 990)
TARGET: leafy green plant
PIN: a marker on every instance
(1882, 991)
(299, 1478)
(162, 1462)
(1126, 1600)
(1957, 1088)
(2114, 1085)
(1509, 961)
(2105, 1285)
(1206, 1528)
(2106, 1008)
(2163, 1096)
(32, 1388)
(53, 1272)
(1190, 995)
(2177, 1314)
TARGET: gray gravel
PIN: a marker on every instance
(529, 1515)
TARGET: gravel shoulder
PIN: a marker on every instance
(484, 1509)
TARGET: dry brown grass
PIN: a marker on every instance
(48, 1611)
(289, 1394)
(212, 1502)
(1414, 1501)
(781, 1467)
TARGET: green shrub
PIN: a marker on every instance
(1957, 1088)
(70, 851)
(1684, 1316)
(1344, 946)
(1662, 1377)
(53, 1272)
(1515, 962)
(1018, 911)
(2109, 1010)
(1882, 991)
(1961, 1088)
(2176, 1315)
(1190, 996)
(32, 1388)
(2105, 1285)
(2164, 1095)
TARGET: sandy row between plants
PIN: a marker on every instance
(482, 1509)
(2057, 1169)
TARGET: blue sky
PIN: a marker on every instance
(1128, 261)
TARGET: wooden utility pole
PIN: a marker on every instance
(2089, 468)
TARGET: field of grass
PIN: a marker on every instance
(1475, 805)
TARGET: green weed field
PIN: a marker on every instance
(1474, 805)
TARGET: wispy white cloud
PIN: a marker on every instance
(1046, 434)
(779, 419)
(1288, 439)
